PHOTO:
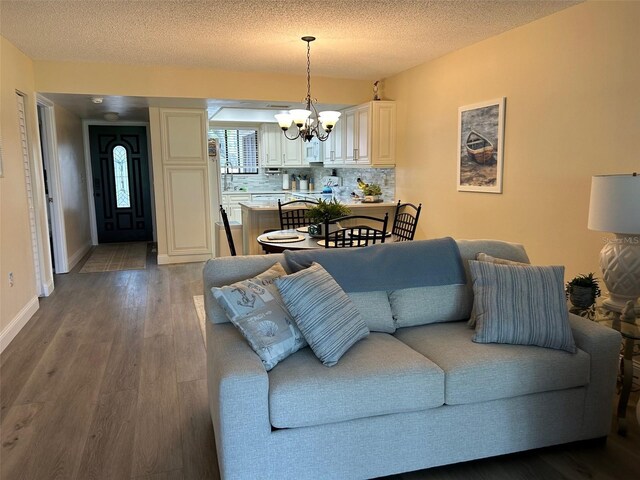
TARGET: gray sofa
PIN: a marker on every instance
(417, 397)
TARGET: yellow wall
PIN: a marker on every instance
(164, 81)
(75, 202)
(16, 73)
(573, 110)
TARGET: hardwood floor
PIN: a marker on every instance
(108, 381)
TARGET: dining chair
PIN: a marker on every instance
(294, 218)
(358, 235)
(405, 221)
(227, 229)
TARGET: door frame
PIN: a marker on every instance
(87, 162)
(51, 160)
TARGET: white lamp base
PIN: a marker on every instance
(620, 263)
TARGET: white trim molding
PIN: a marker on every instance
(18, 322)
(50, 156)
(164, 259)
(78, 255)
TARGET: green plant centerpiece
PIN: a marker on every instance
(370, 191)
(583, 290)
(331, 209)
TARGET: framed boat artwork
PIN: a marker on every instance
(480, 146)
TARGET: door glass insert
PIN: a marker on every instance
(121, 174)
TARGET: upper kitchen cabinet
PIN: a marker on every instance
(292, 151)
(279, 151)
(369, 134)
(332, 151)
(271, 140)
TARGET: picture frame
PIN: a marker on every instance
(480, 146)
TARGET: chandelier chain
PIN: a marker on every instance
(308, 70)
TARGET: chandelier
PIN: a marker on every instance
(309, 122)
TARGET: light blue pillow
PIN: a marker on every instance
(325, 315)
(254, 306)
(523, 305)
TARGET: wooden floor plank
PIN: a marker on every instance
(158, 360)
(57, 449)
(109, 448)
(158, 303)
(123, 368)
(173, 475)
(18, 435)
(158, 444)
(189, 347)
(197, 431)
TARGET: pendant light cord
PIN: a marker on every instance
(308, 74)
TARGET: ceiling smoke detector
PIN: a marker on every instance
(97, 100)
(111, 116)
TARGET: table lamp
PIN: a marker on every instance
(615, 207)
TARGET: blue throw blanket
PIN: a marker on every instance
(387, 266)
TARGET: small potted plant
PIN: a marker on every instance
(324, 209)
(370, 191)
(583, 290)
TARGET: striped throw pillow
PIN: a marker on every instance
(326, 316)
(521, 305)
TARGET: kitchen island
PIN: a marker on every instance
(260, 216)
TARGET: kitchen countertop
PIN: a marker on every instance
(266, 206)
(263, 192)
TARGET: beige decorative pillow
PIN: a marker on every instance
(256, 309)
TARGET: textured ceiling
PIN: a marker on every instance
(369, 39)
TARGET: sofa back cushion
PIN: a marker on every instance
(375, 310)
(448, 303)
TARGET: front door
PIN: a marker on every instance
(121, 188)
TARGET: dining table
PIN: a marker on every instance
(277, 241)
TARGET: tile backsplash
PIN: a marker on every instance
(385, 177)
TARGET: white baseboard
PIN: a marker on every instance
(76, 257)
(47, 288)
(18, 322)
(164, 259)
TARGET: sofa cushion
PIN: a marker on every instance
(379, 375)
(255, 308)
(477, 372)
(325, 315)
(521, 304)
(423, 305)
(375, 310)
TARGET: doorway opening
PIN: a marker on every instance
(121, 183)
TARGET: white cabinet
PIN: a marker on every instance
(383, 133)
(230, 202)
(332, 151)
(291, 152)
(278, 151)
(271, 149)
(370, 134)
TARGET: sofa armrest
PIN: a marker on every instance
(603, 346)
(238, 393)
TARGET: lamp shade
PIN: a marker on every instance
(615, 204)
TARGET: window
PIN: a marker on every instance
(121, 175)
(238, 149)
